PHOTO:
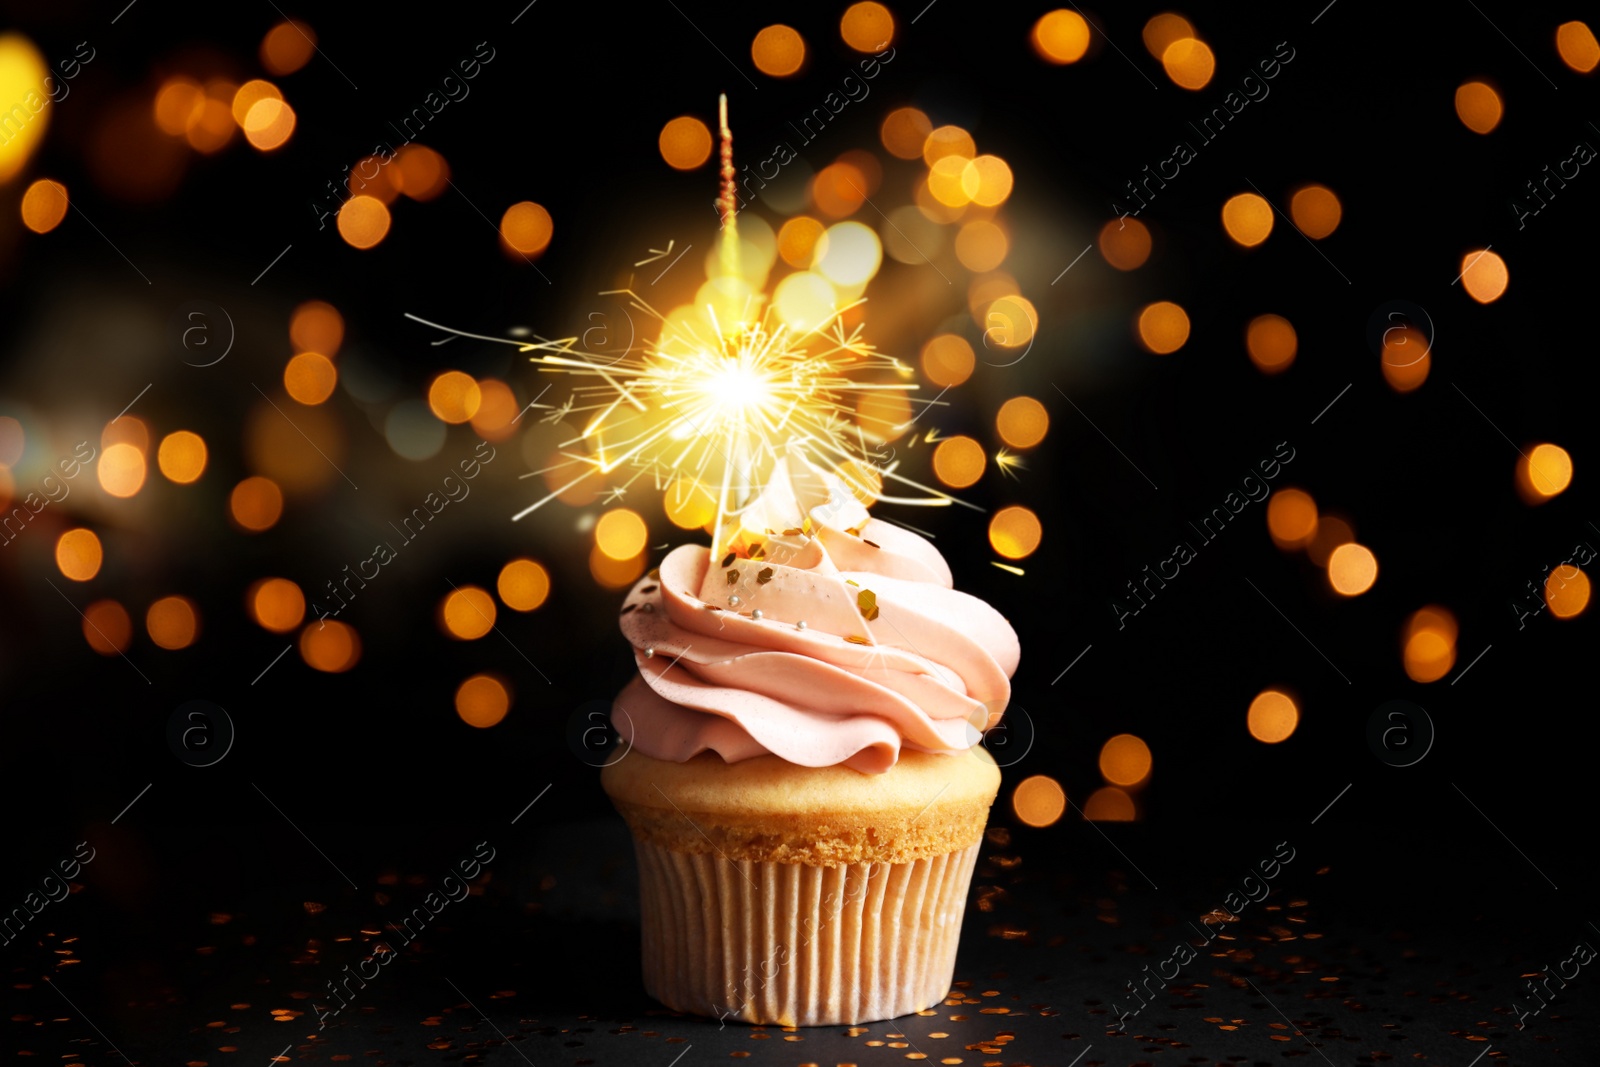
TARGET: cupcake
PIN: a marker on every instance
(803, 777)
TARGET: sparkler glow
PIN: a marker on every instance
(725, 390)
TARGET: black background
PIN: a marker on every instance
(376, 769)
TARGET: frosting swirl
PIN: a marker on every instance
(825, 637)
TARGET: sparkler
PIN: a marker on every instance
(723, 392)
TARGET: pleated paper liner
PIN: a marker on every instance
(796, 945)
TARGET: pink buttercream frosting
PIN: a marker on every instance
(840, 642)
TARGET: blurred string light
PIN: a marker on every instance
(685, 143)
(1406, 358)
(173, 622)
(867, 27)
(1015, 532)
(1163, 327)
(107, 627)
(1543, 471)
(1566, 591)
(467, 613)
(483, 700)
(1022, 422)
(309, 378)
(1125, 243)
(1331, 532)
(1110, 803)
(1272, 716)
(44, 205)
(1247, 219)
(1428, 644)
(1039, 800)
(524, 584)
(1162, 30)
(287, 47)
(1291, 518)
(778, 51)
(1189, 62)
(1478, 106)
(255, 504)
(330, 645)
(1485, 275)
(1576, 44)
(526, 229)
(182, 457)
(1315, 210)
(904, 132)
(958, 462)
(1352, 569)
(79, 554)
(1061, 36)
(23, 72)
(1125, 760)
(276, 604)
(1271, 342)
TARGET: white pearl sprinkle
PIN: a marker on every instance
(648, 609)
(756, 614)
(649, 653)
(733, 600)
(801, 625)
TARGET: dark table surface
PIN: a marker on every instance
(1365, 948)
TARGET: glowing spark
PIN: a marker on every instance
(1009, 463)
(1007, 567)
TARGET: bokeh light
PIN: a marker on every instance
(1544, 471)
(1247, 218)
(523, 584)
(1566, 591)
(420, 172)
(1061, 36)
(1022, 422)
(778, 51)
(1576, 43)
(1125, 243)
(107, 627)
(12, 441)
(987, 181)
(1291, 518)
(1271, 342)
(981, 246)
(614, 573)
(178, 105)
(904, 132)
(316, 326)
(309, 378)
(1478, 106)
(621, 534)
(172, 622)
(1163, 30)
(1163, 327)
(1189, 62)
(454, 397)
(1015, 532)
(958, 462)
(1039, 800)
(851, 254)
(78, 554)
(1406, 358)
(121, 470)
(948, 360)
(248, 95)
(256, 504)
(688, 504)
(182, 456)
(126, 430)
(1272, 717)
(363, 221)
(1125, 760)
(948, 141)
(482, 701)
(1352, 568)
(1315, 210)
(798, 239)
(526, 228)
(212, 127)
(839, 189)
(685, 143)
(804, 300)
(867, 27)
(1428, 648)
(330, 645)
(44, 205)
(467, 613)
(276, 604)
(1010, 322)
(1110, 803)
(1332, 532)
(287, 47)
(268, 124)
(1485, 275)
(22, 70)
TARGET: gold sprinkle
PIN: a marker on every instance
(757, 550)
(764, 576)
(898, 1044)
(793, 533)
(849, 581)
(655, 574)
(867, 601)
(994, 1011)
(875, 544)
(854, 1031)
(936, 1033)
(916, 1055)
(857, 640)
(733, 576)
(729, 558)
(951, 1059)
(874, 1044)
